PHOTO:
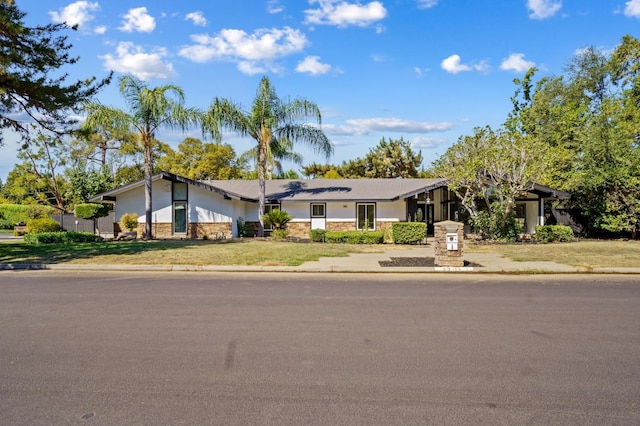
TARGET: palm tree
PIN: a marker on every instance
(271, 122)
(280, 149)
(149, 109)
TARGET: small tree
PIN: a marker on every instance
(130, 221)
(91, 211)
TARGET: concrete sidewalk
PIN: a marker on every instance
(356, 263)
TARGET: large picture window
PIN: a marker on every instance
(366, 216)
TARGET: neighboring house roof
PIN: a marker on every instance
(300, 190)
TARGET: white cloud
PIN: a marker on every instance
(78, 13)
(426, 4)
(516, 62)
(542, 9)
(343, 14)
(632, 9)
(420, 71)
(420, 142)
(453, 65)
(100, 29)
(197, 18)
(251, 51)
(132, 59)
(312, 65)
(398, 125)
(138, 20)
(274, 6)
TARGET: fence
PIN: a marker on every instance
(69, 222)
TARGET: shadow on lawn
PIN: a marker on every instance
(22, 253)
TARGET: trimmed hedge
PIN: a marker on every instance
(408, 232)
(90, 211)
(61, 238)
(355, 237)
(317, 235)
(553, 233)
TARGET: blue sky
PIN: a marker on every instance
(428, 71)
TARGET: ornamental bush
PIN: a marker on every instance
(553, 233)
(37, 226)
(408, 232)
(130, 221)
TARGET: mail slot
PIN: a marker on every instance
(452, 241)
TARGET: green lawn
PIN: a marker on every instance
(227, 252)
(586, 253)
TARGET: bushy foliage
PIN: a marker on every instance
(317, 235)
(37, 226)
(355, 237)
(408, 232)
(61, 238)
(553, 233)
(279, 234)
(498, 225)
(243, 230)
(91, 211)
(276, 218)
(130, 221)
(11, 214)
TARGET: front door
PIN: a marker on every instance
(318, 216)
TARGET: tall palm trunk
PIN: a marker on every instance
(262, 191)
(148, 174)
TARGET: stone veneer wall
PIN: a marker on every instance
(212, 230)
(299, 229)
(444, 257)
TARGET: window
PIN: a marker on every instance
(318, 210)
(366, 218)
(267, 209)
(179, 193)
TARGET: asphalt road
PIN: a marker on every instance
(275, 349)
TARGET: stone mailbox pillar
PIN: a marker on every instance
(449, 242)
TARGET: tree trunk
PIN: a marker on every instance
(148, 174)
(262, 163)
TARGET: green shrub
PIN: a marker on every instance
(18, 213)
(355, 237)
(130, 221)
(279, 234)
(553, 233)
(317, 235)
(243, 230)
(6, 224)
(408, 232)
(276, 218)
(37, 226)
(61, 238)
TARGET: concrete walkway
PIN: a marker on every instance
(359, 263)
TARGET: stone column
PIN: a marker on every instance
(449, 243)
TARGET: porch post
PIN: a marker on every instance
(540, 211)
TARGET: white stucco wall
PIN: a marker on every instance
(133, 201)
